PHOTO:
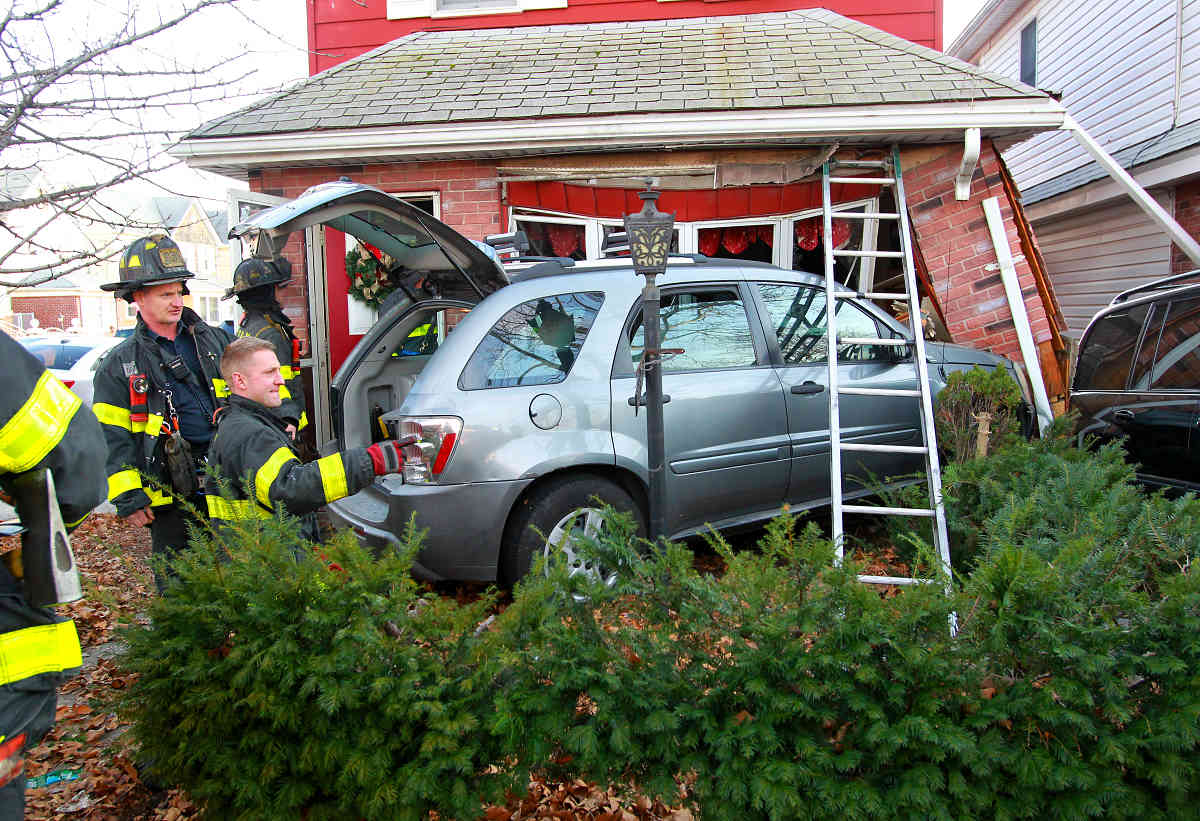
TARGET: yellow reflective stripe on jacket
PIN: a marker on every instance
(75, 524)
(38, 426)
(158, 498)
(288, 372)
(119, 417)
(231, 509)
(46, 648)
(333, 477)
(112, 415)
(126, 480)
(220, 388)
(268, 472)
(123, 481)
(284, 393)
(303, 421)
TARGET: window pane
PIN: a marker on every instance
(608, 230)
(1107, 351)
(1029, 54)
(710, 326)
(554, 239)
(432, 328)
(1178, 362)
(750, 242)
(797, 314)
(57, 355)
(535, 343)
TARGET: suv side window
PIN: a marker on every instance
(1177, 363)
(709, 324)
(797, 314)
(535, 343)
(1106, 353)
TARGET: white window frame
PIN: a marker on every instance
(436, 196)
(409, 9)
(689, 232)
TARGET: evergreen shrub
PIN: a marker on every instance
(782, 689)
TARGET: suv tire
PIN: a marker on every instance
(551, 506)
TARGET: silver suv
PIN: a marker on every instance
(524, 401)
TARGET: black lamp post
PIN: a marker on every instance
(649, 233)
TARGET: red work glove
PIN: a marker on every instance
(386, 457)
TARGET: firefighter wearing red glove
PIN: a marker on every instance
(252, 443)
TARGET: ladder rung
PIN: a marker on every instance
(859, 164)
(883, 448)
(893, 580)
(861, 215)
(888, 511)
(915, 394)
(865, 180)
(873, 254)
(870, 340)
(870, 295)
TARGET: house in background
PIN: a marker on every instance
(75, 302)
(550, 128)
(1130, 75)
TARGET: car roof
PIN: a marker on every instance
(681, 268)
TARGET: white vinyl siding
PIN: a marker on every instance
(1189, 108)
(1094, 255)
(1114, 63)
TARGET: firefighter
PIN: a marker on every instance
(42, 426)
(256, 285)
(156, 394)
(252, 445)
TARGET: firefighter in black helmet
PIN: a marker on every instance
(255, 284)
(155, 396)
(43, 426)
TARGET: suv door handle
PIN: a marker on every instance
(640, 401)
(1123, 416)
(808, 387)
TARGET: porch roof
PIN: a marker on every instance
(742, 80)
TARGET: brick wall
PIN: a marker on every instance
(48, 309)
(1187, 214)
(957, 246)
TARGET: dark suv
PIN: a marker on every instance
(1138, 379)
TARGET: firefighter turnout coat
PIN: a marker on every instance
(133, 429)
(261, 325)
(42, 425)
(252, 451)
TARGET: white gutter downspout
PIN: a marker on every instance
(1016, 304)
(1182, 238)
(966, 167)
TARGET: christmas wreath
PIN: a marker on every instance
(367, 268)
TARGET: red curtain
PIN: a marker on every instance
(736, 240)
(808, 233)
(766, 234)
(564, 239)
(710, 241)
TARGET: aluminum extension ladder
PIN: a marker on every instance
(887, 172)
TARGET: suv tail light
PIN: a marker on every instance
(425, 459)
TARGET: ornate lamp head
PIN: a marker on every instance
(649, 233)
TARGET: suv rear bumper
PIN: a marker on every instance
(463, 524)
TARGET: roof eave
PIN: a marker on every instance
(900, 123)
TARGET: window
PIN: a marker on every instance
(554, 239)
(797, 314)
(1029, 54)
(1106, 353)
(432, 328)
(56, 354)
(535, 343)
(1177, 365)
(709, 325)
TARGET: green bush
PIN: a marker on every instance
(968, 394)
(783, 689)
(273, 681)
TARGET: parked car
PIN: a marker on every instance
(523, 393)
(71, 358)
(1137, 380)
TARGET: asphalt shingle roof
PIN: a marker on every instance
(799, 59)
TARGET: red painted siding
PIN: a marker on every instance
(341, 29)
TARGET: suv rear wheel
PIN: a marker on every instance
(553, 514)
